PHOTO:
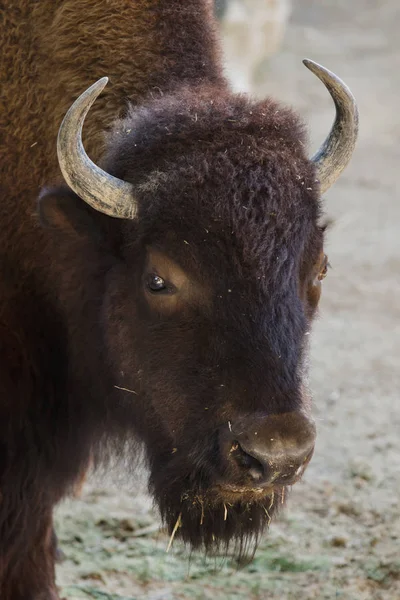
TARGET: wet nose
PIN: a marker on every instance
(274, 449)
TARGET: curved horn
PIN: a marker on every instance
(101, 190)
(336, 151)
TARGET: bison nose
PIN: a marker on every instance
(274, 449)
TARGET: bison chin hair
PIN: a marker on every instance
(194, 510)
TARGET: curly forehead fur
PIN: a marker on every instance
(239, 166)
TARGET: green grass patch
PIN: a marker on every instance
(100, 548)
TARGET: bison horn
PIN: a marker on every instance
(99, 189)
(335, 153)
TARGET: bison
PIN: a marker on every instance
(159, 294)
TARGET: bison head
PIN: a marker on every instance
(214, 278)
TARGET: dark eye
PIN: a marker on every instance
(155, 283)
(324, 271)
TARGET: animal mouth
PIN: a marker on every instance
(243, 490)
(235, 494)
(278, 483)
(233, 489)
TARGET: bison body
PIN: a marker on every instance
(162, 299)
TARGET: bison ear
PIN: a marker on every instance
(62, 210)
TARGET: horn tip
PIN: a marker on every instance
(101, 83)
(311, 64)
(97, 87)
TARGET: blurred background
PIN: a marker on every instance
(340, 534)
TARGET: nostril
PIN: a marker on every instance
(267, 451)
(247, 462)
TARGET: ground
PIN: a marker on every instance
(339, 536)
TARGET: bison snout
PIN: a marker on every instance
(270, 450)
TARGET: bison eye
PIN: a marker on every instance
(324, 271)
(155, 283)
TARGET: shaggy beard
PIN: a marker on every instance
(192, 507)
(206, 520)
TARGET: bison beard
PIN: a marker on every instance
(195, 510)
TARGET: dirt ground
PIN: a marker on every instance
(340, 535)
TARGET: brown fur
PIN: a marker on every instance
(226, 193)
